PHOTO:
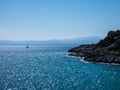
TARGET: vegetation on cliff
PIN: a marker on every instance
(111, 42)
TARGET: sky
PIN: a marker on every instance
(57, 19)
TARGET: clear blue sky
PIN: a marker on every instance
(57, 19)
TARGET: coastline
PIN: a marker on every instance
(97, 57)
(102, 63)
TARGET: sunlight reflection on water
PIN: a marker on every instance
(49, 68)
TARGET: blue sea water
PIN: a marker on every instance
(50, 68)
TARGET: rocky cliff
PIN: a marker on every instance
(106, 50)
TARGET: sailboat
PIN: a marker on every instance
(27, 46)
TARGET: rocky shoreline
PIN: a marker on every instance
(105, 51)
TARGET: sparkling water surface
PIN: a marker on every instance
(50, 68)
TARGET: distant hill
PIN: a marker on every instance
(82, 40)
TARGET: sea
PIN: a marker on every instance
(48, 67)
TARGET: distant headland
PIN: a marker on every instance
(105, 51)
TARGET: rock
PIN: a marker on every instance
(106, 50)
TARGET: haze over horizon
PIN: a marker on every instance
(76, 38)
(57, 19)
